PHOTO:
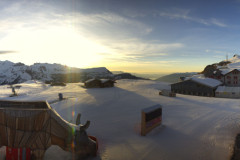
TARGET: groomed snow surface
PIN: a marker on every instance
(193, 127)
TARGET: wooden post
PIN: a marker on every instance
(143, 125)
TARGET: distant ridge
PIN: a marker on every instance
(127, 76)
(175, 77)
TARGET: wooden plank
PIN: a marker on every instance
(3, 137)
(40, 142)
(11, 121)
(33, 145)
(57, 129)
(27, 126)
(44, 137)
(12, 135)
(21, 123)
(29, 123)
(46, 120)
(33, 140)
(49, 140)
(9, 137)
(58, 141)
(20, 104)
(25, 138)
(18, 137)
(40, 121)
(2, 117)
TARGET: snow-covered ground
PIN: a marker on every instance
(194, 128)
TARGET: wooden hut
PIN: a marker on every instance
(196, 86)
(107, 83)
(93, 83)
(99, 83)
(58, 84)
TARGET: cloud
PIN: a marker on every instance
(26, 15)
(219, 57)
(185, 15)
(7, 52)
(111, 25)
(135, 50)
(217, 22)
(120, 35)
(137, 46)
(215, 51)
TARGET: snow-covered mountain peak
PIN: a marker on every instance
(235, 62)
(18, 72)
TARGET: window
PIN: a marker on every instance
(228, 77)
(229, 82)
(235, 77)
(235, 72)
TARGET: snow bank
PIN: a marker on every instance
(193, 127)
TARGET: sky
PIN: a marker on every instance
(141, 36)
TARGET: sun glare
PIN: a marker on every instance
(53, 45)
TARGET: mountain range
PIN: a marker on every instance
(13, 73)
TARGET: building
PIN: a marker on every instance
(99, 83)
(232, 77)
(228, 92)
(58, 84)
(93, 83)
(107, 83)
(196, 85)
(229, 77)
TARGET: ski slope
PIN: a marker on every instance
(199, 128)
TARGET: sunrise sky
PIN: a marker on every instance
(122, 35)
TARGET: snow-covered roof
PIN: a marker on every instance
(228, 89)
(90, 80)
(235, 64)
(226, 71)
(205, 81)
(104, 80)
